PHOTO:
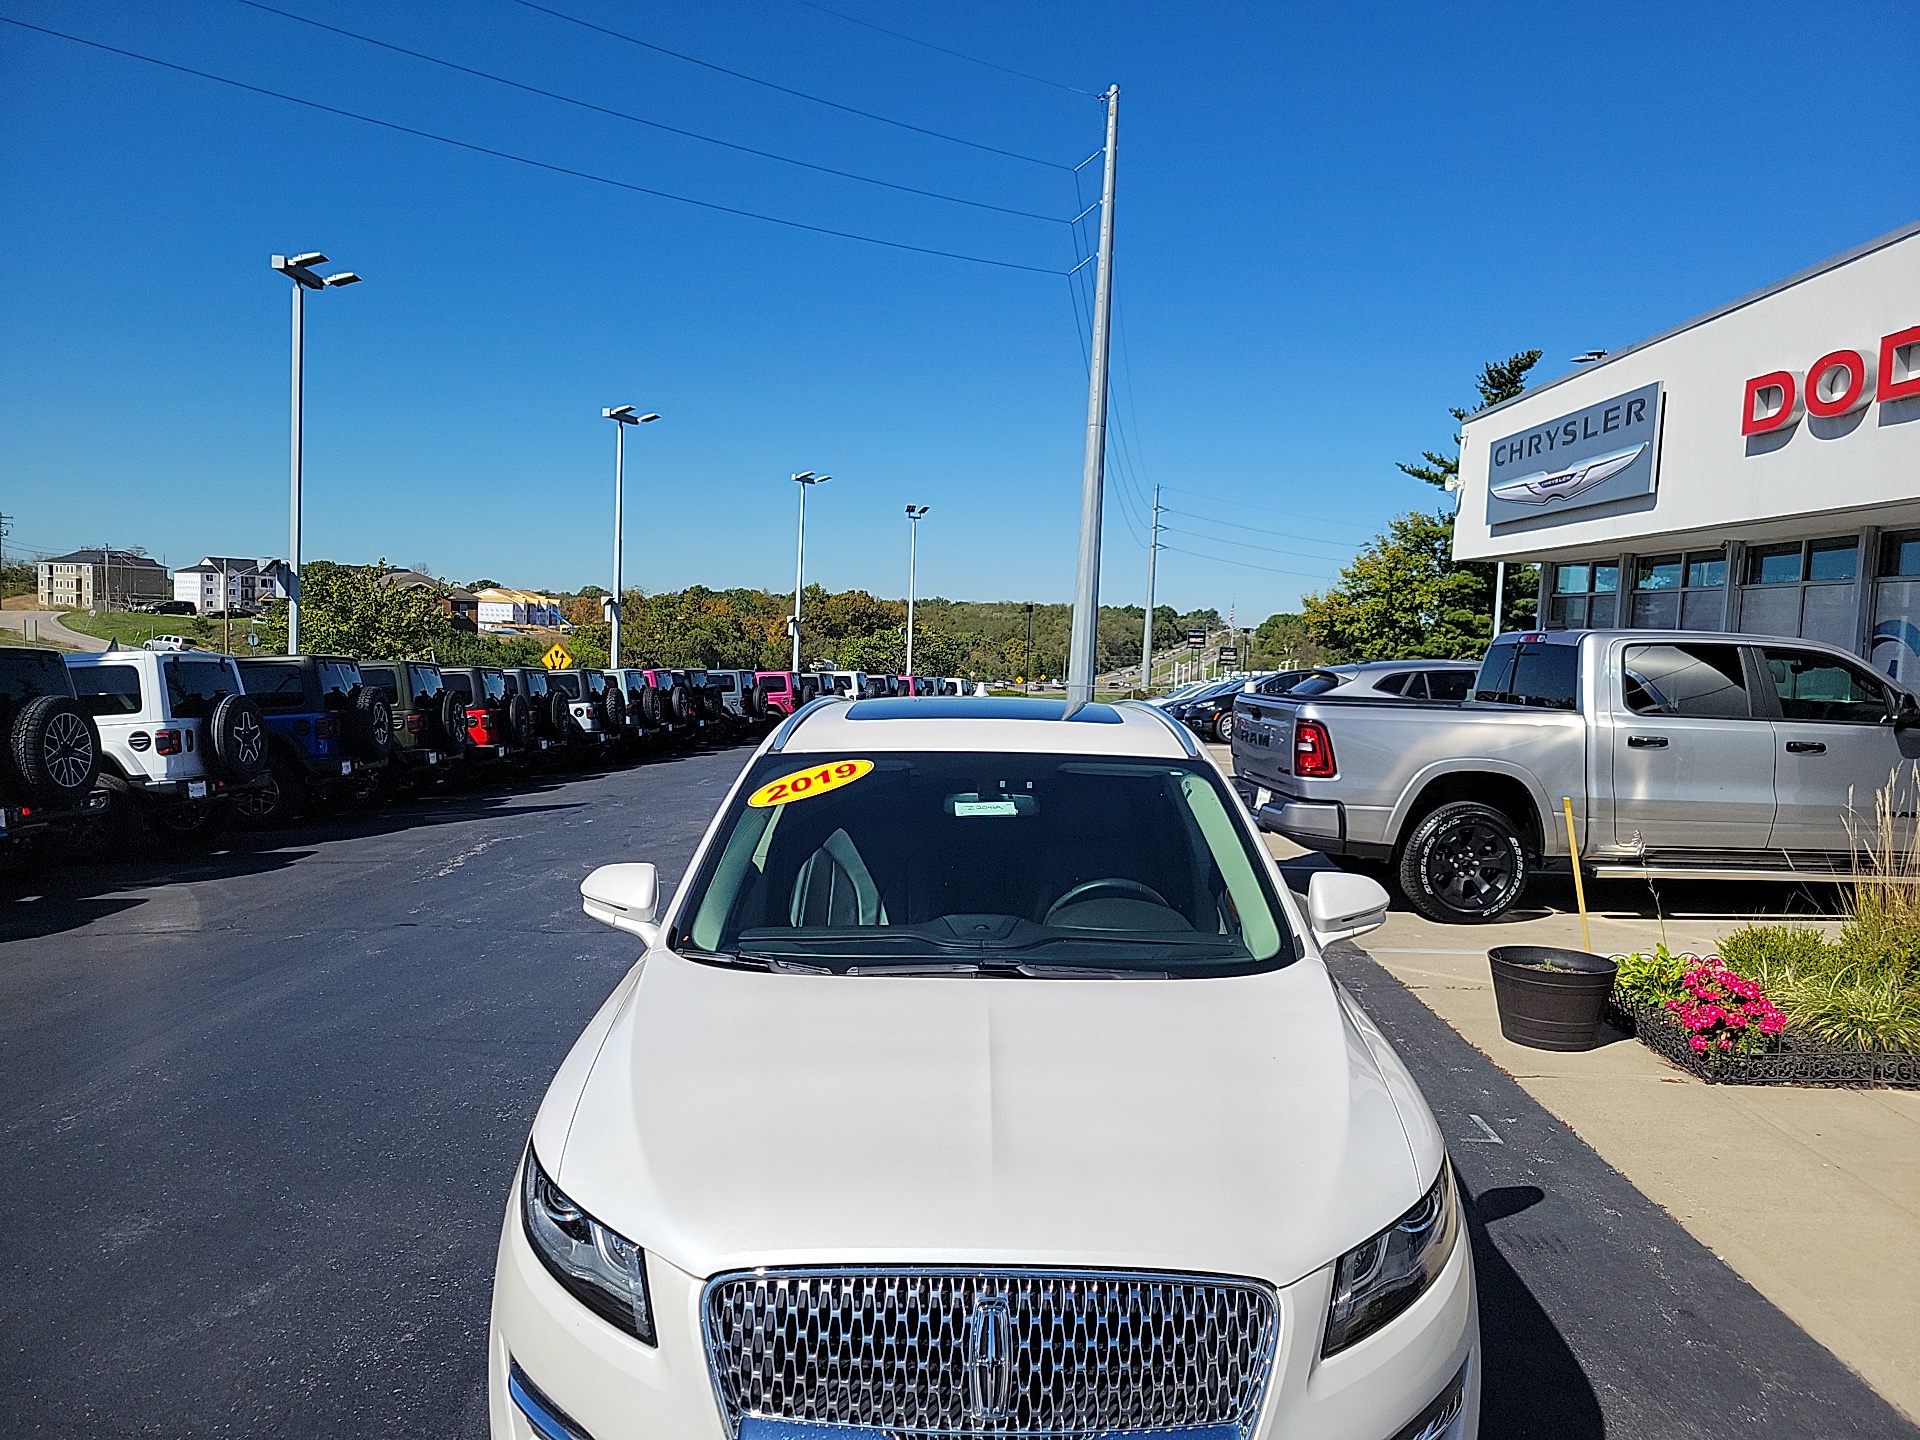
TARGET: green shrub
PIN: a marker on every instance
(1650, 979)
(1858, 1012)
(1774, 953)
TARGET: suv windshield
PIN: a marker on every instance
(194, 687)
(945, 863)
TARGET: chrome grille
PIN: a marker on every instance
(926, 1352)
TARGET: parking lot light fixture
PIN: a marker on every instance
(915, 513)
(805, 479)
(622, 416)
(299, 269)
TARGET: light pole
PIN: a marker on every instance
(622, 416)
(1026, 680)
(804, 480)
(299, 269)
(915, 513)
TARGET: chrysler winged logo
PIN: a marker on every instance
(989, 1358)
(1544, 485)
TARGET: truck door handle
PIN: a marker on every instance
(1646, 742)
(1806, 747)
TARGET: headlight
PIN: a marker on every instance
(603, 1270)
(1376, 1281)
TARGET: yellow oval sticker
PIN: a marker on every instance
(805, 784)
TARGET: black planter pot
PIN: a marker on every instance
(1551, 1009)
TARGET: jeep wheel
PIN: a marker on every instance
(239, 735)
(1464, 864)
(275, 803)
(369, 723)
(55, 750)
(192, 822)
(453, 721)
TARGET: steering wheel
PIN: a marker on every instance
(1089, 887)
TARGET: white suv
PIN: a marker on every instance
(983, 1078)
(178, 734)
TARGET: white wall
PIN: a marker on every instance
(1714, 483)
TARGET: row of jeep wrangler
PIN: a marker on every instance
(178, 744)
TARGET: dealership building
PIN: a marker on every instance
(1755, 469)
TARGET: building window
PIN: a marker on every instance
(1584, 595)
(1680, 592)
(1896, 608)
(1802, 588)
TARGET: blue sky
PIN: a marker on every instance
(1329, 216)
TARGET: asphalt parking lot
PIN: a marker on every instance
(260, 1112)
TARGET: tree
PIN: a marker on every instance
(1284, 640)
(345, 610)
(1403, 597)
(1499, 380)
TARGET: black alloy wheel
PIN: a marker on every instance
(282, 797)
(1466, 863)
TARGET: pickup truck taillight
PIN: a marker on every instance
(166, 742)
(1312, 750)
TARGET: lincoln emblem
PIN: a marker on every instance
(989, 1358)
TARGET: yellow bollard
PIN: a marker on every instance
(1579, 886)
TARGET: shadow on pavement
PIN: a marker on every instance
(1537, 1388)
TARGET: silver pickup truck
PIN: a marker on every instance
(1685, 754)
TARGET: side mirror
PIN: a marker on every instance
(625, 897)
(1341, 906)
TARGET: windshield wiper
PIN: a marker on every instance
(1027, 969)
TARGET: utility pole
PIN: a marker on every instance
(1146, 642)
(1086, 593)
(6, 526)
(915, 513)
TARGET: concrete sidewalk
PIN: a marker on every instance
(1811, 1195)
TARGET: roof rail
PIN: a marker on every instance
(792, 722)
(1185, 736)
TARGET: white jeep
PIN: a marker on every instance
(178, 735)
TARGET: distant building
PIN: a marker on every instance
(461, 607)
(248, 584)
(107, 579)
(501, 609)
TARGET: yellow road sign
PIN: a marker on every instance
(557, 658)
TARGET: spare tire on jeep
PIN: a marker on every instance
(239, 734)
(453, 720)
(369, 723)
(559, 717)
(520, 721)
(649, 706)
(55, 750)
(680, 704)
(613, 706)
(753, 700)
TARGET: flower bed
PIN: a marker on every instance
(1782, 1060)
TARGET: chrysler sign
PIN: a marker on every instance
(1608, 451)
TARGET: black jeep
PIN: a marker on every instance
(49, 747)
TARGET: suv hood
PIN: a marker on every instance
(736, 1118)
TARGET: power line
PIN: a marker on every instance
(1245, 564)
(929, 45)
(1245, 545)
(1256, 530)
(528, 161)
(642, 120)
(1270, 509)
(787, 90)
